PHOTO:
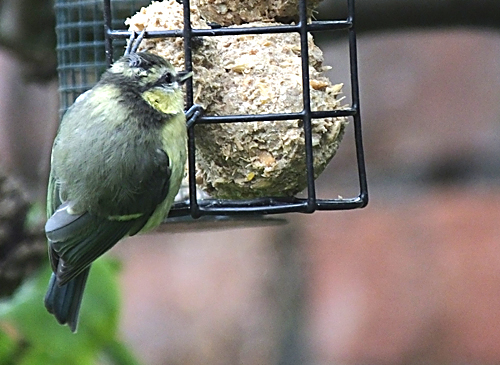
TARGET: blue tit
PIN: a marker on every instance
(117, 163)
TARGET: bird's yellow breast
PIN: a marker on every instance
(174, 138)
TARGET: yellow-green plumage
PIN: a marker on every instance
(175, 147)
(117, 164)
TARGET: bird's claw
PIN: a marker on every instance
(192, 114)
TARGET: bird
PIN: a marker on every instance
(116, 165)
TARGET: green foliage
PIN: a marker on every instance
(29, 335)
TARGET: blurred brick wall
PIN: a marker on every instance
(415, 277)
(408, 283)
(28, 120)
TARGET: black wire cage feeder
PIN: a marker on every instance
(91, 34)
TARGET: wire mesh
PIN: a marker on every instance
(81, 48)
(86, 48)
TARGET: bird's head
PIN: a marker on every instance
(144, 71)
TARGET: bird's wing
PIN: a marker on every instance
(77, 239)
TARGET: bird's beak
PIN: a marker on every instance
(182, 76)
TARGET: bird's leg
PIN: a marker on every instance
(192, 114)
(134, 41)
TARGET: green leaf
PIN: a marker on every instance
(30, 335)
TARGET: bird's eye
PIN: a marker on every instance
(167, 78)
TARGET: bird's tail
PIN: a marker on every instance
(64, 301)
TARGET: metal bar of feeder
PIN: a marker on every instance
(358, 137)
(314, 26)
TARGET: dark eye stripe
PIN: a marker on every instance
(166, 79)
